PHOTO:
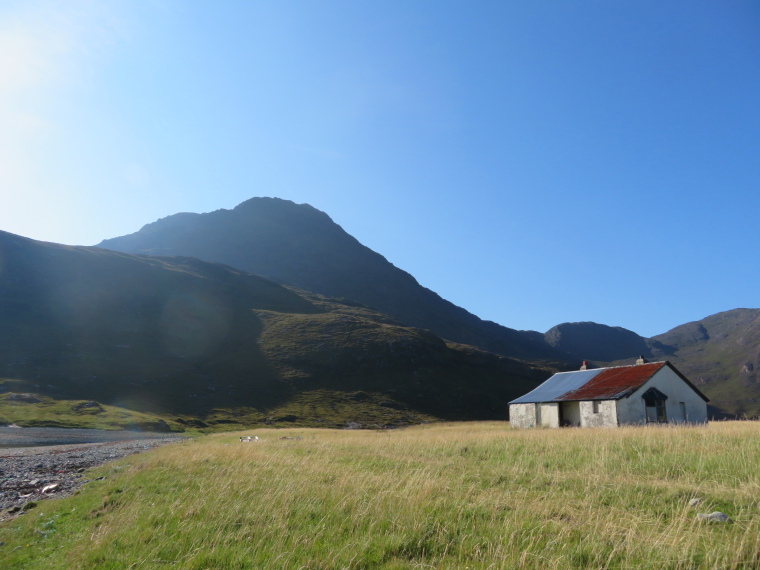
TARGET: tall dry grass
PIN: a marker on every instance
(438, 496)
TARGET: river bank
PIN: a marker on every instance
(32, 473)
(45, 436)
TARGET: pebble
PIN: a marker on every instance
(31, 474)
(716, 516)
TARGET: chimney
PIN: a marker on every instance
(641, 360)
(584, 365)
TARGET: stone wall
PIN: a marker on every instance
(522, 415)
(602, 413)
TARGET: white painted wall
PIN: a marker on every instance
(549, 415)
(631, 410)
(605, 417)
(522, 415)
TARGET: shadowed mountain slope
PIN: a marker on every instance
(186, 338)
(591, 341)
(301, 246)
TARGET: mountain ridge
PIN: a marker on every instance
(301, 246)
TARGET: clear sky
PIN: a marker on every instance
(533, 161)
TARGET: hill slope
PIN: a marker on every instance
(183, 337)
(301, 246)
(721, 354)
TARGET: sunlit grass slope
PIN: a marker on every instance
(34, 410)
(438, 496)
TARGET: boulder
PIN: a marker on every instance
(26, 398)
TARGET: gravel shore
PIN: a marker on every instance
(31, 474)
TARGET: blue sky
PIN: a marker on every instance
(535, 162)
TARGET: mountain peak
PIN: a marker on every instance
(591, 341)
(272, 203)
(298, 245)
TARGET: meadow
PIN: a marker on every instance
(469, 495)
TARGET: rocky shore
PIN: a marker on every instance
(31, 474)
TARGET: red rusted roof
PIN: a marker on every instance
(613, 383)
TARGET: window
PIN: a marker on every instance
(682, 406)
(596, 406)
(654, 405)
(655, 410)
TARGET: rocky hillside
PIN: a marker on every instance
(301, 246)
(201, 342)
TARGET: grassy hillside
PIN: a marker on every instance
(472, 496)
(205, 345)
(721, 354)
(28, 409)
(298, 245)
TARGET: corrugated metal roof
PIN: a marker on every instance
(596, 384)
(557, 385)
(613, 383)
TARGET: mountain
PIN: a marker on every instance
(592, 341)
(300, 246)
(201, 342)
(720, 354)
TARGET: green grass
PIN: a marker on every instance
(313, 408)
(43, 411)
(472, 496)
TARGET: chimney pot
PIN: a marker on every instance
(584, 365)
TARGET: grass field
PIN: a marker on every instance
(472, 496)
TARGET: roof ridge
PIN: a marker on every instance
(613, 367)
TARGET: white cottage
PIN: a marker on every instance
(643, 393)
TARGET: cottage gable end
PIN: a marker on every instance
(665, 398)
